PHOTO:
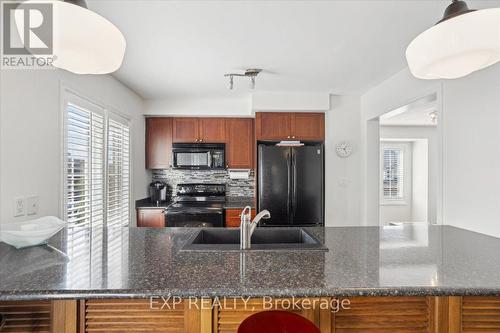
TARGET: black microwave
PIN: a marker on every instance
(198, 156)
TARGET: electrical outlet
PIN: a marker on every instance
(19, 206)
(32, 205)
(343, 182)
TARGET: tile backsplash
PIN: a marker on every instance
(234, 187)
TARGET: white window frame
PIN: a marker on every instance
(406, 148)
(69, 95)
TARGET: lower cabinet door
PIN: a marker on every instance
(139, 315)
(151, 218)
(26, 316)
(384, 314)
(228, 317)
(233, 217)
(477, 314)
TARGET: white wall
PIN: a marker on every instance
(31, 135)
(237, 105)
(398, 90)
(431, 135)
(200, 106)
(472, 151)
(342, 184)
(469, 117)
(420, 201)
(296, 101)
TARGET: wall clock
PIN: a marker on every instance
(343, 149)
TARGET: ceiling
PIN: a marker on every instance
(418, 113)
(183, 48)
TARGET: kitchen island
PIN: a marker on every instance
(402, 278)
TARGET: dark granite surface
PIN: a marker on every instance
(147, 203)
(231, 202)
(141, 262)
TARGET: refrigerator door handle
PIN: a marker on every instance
(294, 186)
(288, 165)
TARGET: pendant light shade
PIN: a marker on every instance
(463, 42)
(83, 41)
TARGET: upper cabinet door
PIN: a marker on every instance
(212, 130)
(186, 130)
(273, 126)
(308, 126)
(158, 143)
(239, 143)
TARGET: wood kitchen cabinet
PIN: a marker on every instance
(273, 125)
(233, 217)
(186, 130)
(212, 130)
(151, 217)
(158, 143)
(239, 143)
(308, 126)
(208, 130)
(290, 125)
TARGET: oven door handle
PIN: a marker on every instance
(187, 212)
(209, 155)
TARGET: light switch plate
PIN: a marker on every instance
(32, 205)
(19, 206)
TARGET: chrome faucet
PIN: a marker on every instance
(248, 226)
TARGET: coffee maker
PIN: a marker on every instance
(158, 191)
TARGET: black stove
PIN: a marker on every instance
(197, 205)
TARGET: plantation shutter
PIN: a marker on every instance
(84, 155)
(118, 178)
(393, 173)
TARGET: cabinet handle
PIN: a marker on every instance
(227, 166)
(288, 137)
(293, 137)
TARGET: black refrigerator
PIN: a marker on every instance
(291, 184)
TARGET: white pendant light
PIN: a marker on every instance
(83, 41)
(463, 42)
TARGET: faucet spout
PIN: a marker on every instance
(247, 226)
(262, 215)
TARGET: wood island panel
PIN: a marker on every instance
(32, 316)
(389, 314)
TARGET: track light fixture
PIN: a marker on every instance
(249, 73)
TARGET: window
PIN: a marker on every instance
(118, 201)
(97, 164)
(395, 178)
(393, 175)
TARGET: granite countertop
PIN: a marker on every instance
(143, 262)
(147, 203)
(231, 202)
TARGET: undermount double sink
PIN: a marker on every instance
(264, 239)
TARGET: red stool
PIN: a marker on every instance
(277, 322)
